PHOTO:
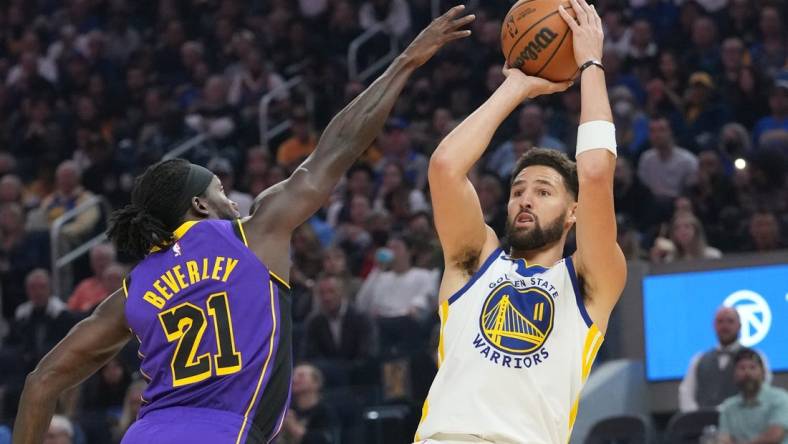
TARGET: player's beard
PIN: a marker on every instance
(535, 238)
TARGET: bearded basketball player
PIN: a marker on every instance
(520, 328)
(209, 300)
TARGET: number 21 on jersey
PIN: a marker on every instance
(186, 324)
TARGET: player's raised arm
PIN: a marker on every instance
(459, 221)
(286, 205)
(599, 259)
(86, 348)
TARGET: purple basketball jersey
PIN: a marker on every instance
(214, 329)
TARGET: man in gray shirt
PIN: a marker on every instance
(666, 168)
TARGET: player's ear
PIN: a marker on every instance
(200, 206)
(572, 211)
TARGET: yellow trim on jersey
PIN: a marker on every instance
(265, 366)
(443, 312)
(178, 233)
(281, 281)
(125, 288)
(243, 233)
(594, 339)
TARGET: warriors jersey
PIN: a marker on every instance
(214, 330)
(515, 349)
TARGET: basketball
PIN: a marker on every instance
(535, 39)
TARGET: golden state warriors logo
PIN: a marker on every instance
(517, 321)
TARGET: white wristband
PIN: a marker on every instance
(597, 134)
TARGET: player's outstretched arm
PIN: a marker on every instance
(599, 259)
(86, 348)
(459, 221)
(288, 204)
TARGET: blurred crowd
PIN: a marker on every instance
(94, 91)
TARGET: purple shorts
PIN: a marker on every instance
(186, 425)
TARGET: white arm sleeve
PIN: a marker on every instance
(689, 384)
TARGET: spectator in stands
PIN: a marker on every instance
(11, 189)
(337, 332)
(396, 145)
(258, 161)
(131, 408)
(302, 142)
(632, 197)
(703, 113)
(665, 168)
(734, 143)
(687, 241)
(764, 231)
(226, 174)
(68, 194)
(531, 126)
(213, 115)
(394, 15)
(631, 123)
(90, 291)
(491, 193)
(738, 83)
(20, 253)
(335, 264)
(393, 178)
(704, 51)
(61, 431)
(778, 107)
(38, 137)
(770, 51)
(398, 296)
(759, 413)
(40, 323)
(710, 377)
(309, 420)
(712, 190)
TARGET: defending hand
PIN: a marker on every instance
(442, 30)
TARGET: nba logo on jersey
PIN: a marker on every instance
(176, 249)
(514, 324)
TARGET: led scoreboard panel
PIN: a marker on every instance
(678, 314)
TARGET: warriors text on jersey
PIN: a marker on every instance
(214, 329)
(515, 349)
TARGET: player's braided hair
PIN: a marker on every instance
(148, 220)
(552, 159)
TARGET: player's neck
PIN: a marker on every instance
(546, 256)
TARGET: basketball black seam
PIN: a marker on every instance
(553, 54)
(527, 31)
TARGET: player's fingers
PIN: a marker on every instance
(570, 21)
(459, 35)
(462, 21)
(587, 8)
(453, 12)
(582, 15)
(561, 86)
(597, 19)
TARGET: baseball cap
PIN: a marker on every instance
(701, 78)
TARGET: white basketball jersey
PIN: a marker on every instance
(515, 349)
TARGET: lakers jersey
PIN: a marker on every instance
(214, 329)
(515, 349)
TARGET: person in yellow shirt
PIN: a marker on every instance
(300, 144)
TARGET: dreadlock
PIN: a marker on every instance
(148, 220)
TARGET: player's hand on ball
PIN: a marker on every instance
(587, 34)
(442, 30)
(528, 87)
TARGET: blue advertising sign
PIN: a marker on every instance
(678, 313)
